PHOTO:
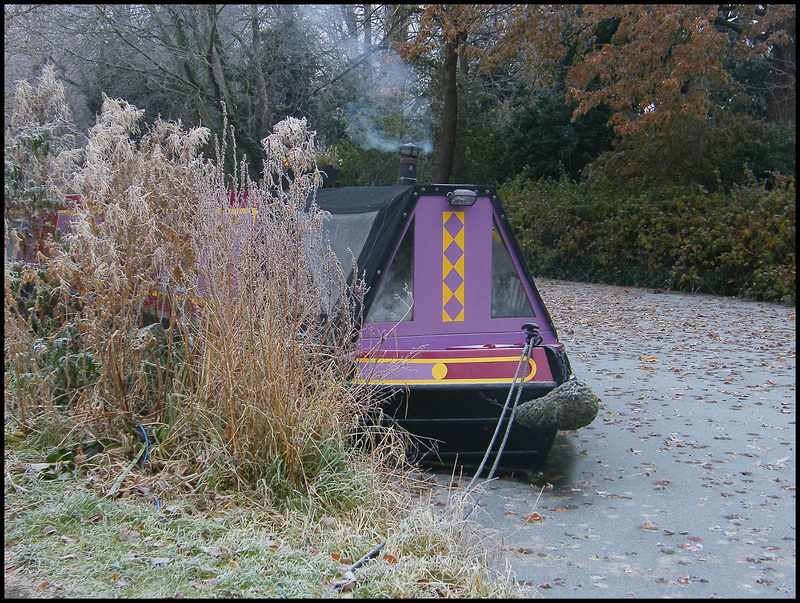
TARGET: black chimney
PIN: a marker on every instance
(409, 158)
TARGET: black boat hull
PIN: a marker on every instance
(454, 425)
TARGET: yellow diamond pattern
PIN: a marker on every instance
(448, 267)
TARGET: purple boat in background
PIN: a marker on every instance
(442, 333)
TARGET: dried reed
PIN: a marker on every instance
(259, 324)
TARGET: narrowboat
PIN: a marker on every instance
(449, 309)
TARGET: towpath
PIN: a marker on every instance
(684, 485)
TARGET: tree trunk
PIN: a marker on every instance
(782, 98)
(447, 140)
(367, 27)
(262, 105)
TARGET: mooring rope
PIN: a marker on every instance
(533, 338)
(525, 352)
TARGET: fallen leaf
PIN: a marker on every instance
(327, 523)
(214, 551)
(525, 551)
(126, 535)
(532, 517)
(347, 582)
(390, 558)
(649, 526)
(510, 512)
(160, 560)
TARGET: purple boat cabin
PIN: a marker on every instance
(442, 332)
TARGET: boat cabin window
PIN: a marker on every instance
(509, 299)
(349, 231)
(393, 301)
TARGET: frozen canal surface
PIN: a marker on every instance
(684, 485)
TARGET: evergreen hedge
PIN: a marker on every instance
(738, 243)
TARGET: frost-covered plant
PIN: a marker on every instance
(39, 156)
(247, 378)
(128, 241)
(278, 319)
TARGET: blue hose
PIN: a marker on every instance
(146, 444)
(146, 452)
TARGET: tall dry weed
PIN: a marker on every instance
(245, 378)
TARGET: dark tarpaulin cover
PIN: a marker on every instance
(393, 205)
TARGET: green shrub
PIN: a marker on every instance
(683, 238)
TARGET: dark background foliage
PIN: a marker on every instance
(607, 98)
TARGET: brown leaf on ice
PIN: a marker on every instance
(649, 526)
(532, 517)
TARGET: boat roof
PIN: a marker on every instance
(371, 220)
